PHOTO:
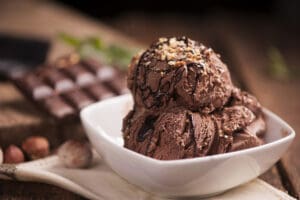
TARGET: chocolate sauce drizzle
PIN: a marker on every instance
(198, 70)
(162, 94)
(189, 127)
(147, 128)
(192, 132)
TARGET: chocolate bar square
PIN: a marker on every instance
(63, 90)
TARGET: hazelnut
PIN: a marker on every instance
(36, 147)
(75, 154)
(1, 156)
(13, 154)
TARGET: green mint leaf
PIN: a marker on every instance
(69, 39)
(94, 47)
(96, 42)
(119, 56)
(278, 68)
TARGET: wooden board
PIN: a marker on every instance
(45, 19)
(32, 191)
(20, 119)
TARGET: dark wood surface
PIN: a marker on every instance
(243, 43)
(13, 190)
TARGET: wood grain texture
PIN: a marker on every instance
(45, 19)
(11, 190)
(282, 97)
(273, 177)
(20, 119)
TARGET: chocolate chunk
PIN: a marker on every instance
(57, 107)
(147, 128)
(81, 76)
(103, 72)
(77, 98)
(58, 80)
(34, 86)
(99, 91)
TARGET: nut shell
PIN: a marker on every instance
(75, 154)
(13, 155)
(36, 147)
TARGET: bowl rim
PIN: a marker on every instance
(111, 101)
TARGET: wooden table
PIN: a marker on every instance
(242, 42)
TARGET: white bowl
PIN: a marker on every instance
(180, 178)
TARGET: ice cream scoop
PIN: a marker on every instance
(180, 133)
(179, 72)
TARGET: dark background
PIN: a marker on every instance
(282, 10)
(147, 20)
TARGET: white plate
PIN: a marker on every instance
(180, 178)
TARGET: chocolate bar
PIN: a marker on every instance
(65, 87)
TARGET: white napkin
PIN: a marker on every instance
(100, 182)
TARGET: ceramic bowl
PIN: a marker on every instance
(203, 176)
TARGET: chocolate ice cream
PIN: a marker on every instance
(186, 105)
(179, 72)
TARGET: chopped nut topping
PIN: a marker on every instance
(171, 62)
(163, 39)
(180, 51)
